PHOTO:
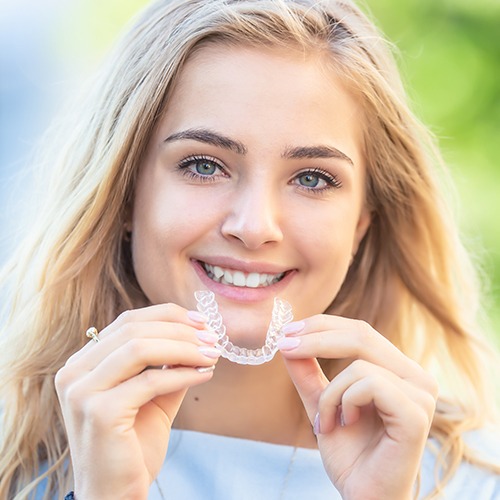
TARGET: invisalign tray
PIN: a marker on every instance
(281, 315)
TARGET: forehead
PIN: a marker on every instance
(289, 95)
(260, 68)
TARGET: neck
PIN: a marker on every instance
(249, 402)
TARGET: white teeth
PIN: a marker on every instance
(240, 279)
(253, 280)
(218, 271)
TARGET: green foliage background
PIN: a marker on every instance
(450, 57)
(449, 53)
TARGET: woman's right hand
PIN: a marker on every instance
(118, 403)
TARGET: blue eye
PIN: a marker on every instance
(310, 180)
(316, 180)
(201, 168)
(205, 167)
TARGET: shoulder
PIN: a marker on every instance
(471, 480)
(485, 443)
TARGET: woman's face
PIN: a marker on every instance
(252, 187)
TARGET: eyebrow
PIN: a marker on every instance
(219, 140)
(209, 137)
(312, 152)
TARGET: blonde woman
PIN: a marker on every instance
(256, 150)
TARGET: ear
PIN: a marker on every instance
(364, 221)
(127, 225)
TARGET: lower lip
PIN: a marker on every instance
(242, 293)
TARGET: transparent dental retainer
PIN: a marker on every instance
(281, 315)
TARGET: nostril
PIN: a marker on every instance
(253, 232)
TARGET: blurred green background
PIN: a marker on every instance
(450, 59)
(449, 53)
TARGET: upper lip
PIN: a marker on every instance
(244, 266)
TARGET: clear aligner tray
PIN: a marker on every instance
(281, 315)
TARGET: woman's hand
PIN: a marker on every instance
(119, 397)
(372, 420)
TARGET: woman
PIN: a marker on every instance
(256, 150)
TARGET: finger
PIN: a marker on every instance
(171, 313)
(161, 312)
(334, 337)
(137, 355)
(309, 380)
(402, 418)
(92, 354)
(166, 387)
(333, 397)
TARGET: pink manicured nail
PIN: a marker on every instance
(205, 369)
(288, 343)
(210, 352)
(293, 328)
(206, 336)
(316, 425)
(197, 317)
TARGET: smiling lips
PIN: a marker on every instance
(239, 278)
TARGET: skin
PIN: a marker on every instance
(252, 203)
(254, 211)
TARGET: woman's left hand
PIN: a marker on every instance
(373, 419)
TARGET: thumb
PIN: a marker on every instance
(309, 380)
(170, 403)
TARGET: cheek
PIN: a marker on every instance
(160, 209)
(168, 220)
(325, 234)
(324, 242)
(328, 260)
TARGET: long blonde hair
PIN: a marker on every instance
(410, 278)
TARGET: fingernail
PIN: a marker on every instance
(288, 343)
(342, 419)
(316, 425)
(197, 317)
(210, 352)
(205, 369)
(293, 327)
(206, 336)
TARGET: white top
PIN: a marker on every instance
(209, 467)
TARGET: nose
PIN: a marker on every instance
(253, 217)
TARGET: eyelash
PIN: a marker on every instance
(332, 182)
(191, 161)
